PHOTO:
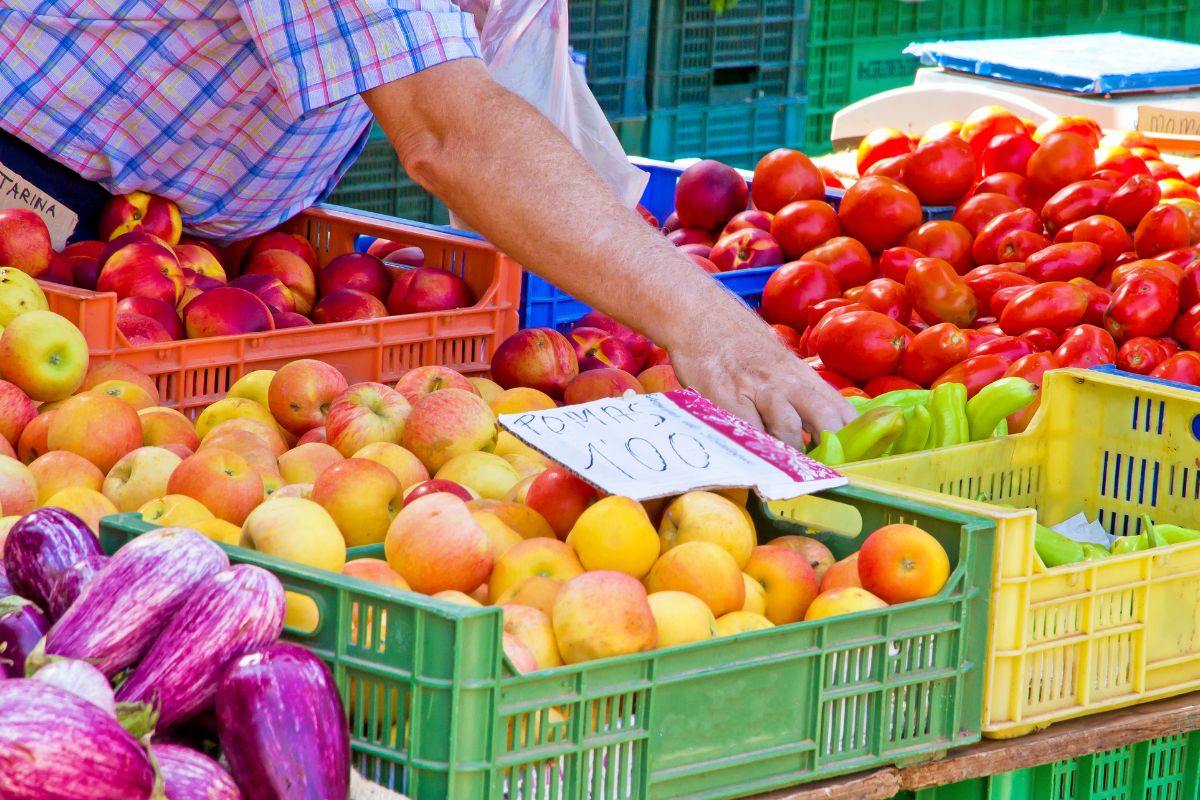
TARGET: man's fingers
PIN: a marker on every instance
(822, 409)
(782, 419)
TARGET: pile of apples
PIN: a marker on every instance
(300, 464)
(171, 286)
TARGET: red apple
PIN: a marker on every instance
(201, 260)
(277, 240)
(752, 218)
(381, 247)
(142, 269)
(682, 236)
(708, 194)
(434, 486)
(596, 348)
(140, 330)
(704, 264)
(746, 249)
(560, 497)
(292, 270)
(267, 288)
(289, 319)
(639, 346)
(539, 358)
(344, 305)
(201, 283)
(599, 384)
(697, 251)
(217, 251)
(141, 211)
(428, 289)
(24, 241)
(60, 270)
(420, 381)
(224, 311)
(360, 271)
(162, 313)
(659, 378)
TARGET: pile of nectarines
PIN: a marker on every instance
(170, 286)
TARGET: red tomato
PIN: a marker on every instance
(1181, 367)
(894, 262)
(1098, 300)
(1176, 188)
(834, 379)
(1032, 368)
(1062, 159)
(1111, 176)
(1019, 245)
(990, 330)
(1120, 160)
(818, 330)
(817, 311)
(939, 294)
(1143, 265)
(887, 297)
(849, 260)
(878, 212)
(1161, 170)
(1063, 262)
(1042, 339)
(1011, 347)
(1132, 200)
(987, 241)
(979, 209)
(1105, 232)
(1086, 346)
(942, 239)
(832, 181)
(1089, 129)
(987, 284)
(800, 226)
(863, 344)
(1163, 228)
(889, 167)
(1077, 201)
(950, 128)
(940, 172)
(1130, 139)
(854, 294)
(1008, 152)
(1009, 184)
(1187, 328)
(1141, 355)
(932, 352)
(1055, 305)
(1169, 345)
(853, 391)
(986, 123)
(1189, 287)
(793, 289)
(976, 372)
(790, 337)
(1002, 297)
(882, 143)
(1144, 305)
(784, 176)
(887, 383)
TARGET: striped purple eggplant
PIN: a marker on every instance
(282, 727)
(71, 582)
(80, 679)
(188, 775)
(41, 545)
(22, 626)
(5, 585)
(232, 613)
(56, 745)
(121, 611)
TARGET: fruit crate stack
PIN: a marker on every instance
(729, 86)
(611, 38)
(1166, 19)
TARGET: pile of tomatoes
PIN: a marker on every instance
(1066, 248)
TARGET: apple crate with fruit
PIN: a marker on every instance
(423, 295)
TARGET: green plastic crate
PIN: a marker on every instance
(1166, 19)
(613, 36)
(437, 711)
(856, 48)
(378, 183)
(738, 134)
(700, 58)
(1166, 768)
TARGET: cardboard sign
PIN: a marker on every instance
(17, 192)
(1173, 121)
(658, 445)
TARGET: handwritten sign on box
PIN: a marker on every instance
(659, 445)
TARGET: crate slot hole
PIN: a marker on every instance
(1050, 676)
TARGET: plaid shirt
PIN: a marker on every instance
(244, 112)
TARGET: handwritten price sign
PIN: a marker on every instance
(658, 445)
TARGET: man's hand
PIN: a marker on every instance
(512, 176)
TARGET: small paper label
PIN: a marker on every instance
(1078, 529)
(17, 192)
(1154, 119)
(659, 445)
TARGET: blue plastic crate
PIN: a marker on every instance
(543, 305)
(1109, 369)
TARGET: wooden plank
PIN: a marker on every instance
(1063, 740)
(878, 785)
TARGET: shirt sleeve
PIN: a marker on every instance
(321, 52)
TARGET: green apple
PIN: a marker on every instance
(44, 355)
(19, 293)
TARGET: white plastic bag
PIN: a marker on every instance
(524, 44)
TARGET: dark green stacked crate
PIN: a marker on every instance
(378, 183)
(1165, 19)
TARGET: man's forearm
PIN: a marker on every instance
(507, 172)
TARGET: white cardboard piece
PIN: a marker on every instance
(660, 445)
(1079, 529)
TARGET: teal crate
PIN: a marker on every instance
(739, 134)
(752, 51)
(855, 48)
(378, 183)
(613, 36)
(1165, 19)
(1166, 768)
(436, 711)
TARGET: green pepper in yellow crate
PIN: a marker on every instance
(1130, 544)
(872, 433)
(900, 398)
(1054, 549)
(829, 452)
(917, 424)
(948, 407)
(1093, 552)
(995, 402)
(1164, 535)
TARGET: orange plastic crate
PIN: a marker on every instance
(192, 373)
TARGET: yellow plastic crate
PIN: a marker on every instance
(1094, 636)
